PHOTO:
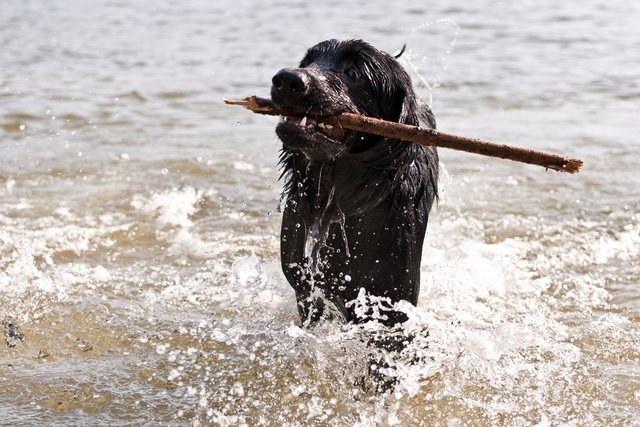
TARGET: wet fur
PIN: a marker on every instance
(355, 212)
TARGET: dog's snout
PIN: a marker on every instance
(288, 80)
(290, 87)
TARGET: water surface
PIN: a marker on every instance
(139, 272)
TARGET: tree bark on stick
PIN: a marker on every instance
(418, 135)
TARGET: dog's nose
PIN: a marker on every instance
(289, 82)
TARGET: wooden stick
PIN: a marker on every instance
(418, 135)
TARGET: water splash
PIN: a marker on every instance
(426, 68)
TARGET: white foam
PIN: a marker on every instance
(171, 211)
(250, 284)
(242, 166)
(172, 207)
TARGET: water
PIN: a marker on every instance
(139, 274)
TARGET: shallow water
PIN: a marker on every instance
(139, 273)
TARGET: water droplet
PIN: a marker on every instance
(164, 171)
(347, 278)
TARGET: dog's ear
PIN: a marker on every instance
(426, 116)
(403, 105)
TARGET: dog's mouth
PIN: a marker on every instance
(312, 126)
(317, 140)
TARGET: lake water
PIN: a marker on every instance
(139, 271)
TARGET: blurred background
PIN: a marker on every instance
(139, 231)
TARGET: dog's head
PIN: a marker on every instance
(335, 77)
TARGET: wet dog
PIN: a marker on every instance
(355, 205)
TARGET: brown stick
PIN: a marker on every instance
(428, 137)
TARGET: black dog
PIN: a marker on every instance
(357, 204)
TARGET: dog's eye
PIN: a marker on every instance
(352, 73)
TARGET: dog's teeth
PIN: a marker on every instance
(303, 122)
(328, 127)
